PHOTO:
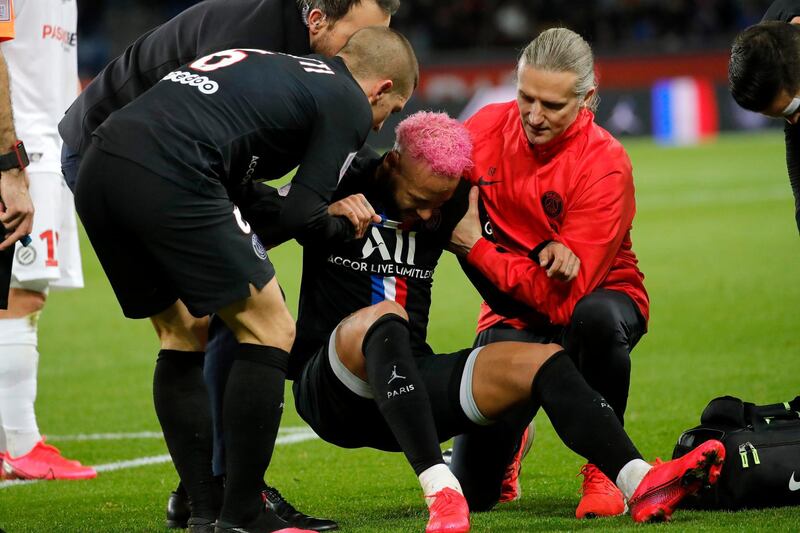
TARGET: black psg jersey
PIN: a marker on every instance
(785, 11)
(782, 10)
(391, 262)
(206, 27)
(243, 115)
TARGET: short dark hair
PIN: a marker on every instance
(765, 59)
(382, 52)
(336, 9)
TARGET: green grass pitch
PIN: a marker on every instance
(716, 238)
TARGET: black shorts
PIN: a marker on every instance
(158, 242)
(350, 419)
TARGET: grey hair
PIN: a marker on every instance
(563, 50)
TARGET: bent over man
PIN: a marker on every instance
(154, 193)
(297, 27)
(764, 76)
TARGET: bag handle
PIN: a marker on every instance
(783, 411)
(732, 412)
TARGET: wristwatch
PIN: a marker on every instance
(16, 158)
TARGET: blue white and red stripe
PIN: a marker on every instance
(392, 288)
(684, 110)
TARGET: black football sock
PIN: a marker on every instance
(251, 413)
(581, 417)
(184, 412)
(399, 391)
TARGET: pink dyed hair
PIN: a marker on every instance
(442, 142)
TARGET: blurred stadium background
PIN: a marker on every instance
(657, 60)
(714, 234)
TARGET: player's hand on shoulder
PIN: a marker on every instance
(561, 263)
(357, 209)
(16, 209)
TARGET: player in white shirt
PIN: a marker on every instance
(40, 48)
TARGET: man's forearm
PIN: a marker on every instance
(7, 132)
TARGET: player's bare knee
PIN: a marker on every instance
(387, 307)
(353, 329)
(180, 335)
(540, 355)
(376, 313)
(199, 329)
(278, 329)
(528, 362)
(262, 318)
(348, 349)
(281, 331)
(284, 332)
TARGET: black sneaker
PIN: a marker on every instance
(285, 510)
(178, 511)
(266, 522)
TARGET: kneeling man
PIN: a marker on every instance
(365, 376)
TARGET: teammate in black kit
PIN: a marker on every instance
(764, 75)
(369, 379)
(154, 193)
(296, 27)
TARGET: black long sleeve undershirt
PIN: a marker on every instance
(305, 217)
(793, 165)
(302, 215)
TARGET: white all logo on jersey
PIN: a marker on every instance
(374, 241)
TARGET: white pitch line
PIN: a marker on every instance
(294, 436)
(142, 435)
(107, 436)
(133, 463)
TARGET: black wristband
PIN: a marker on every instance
(16, 158)
(534, 254)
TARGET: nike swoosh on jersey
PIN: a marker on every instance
(482, 181)
(793, 485)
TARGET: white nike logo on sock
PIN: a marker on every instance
(793, 485)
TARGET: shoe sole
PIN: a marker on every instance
(592, 516)
(50, 476)
(706, 473)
